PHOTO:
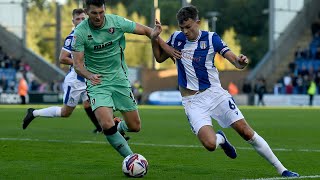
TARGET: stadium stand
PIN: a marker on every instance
(304, 68)
(275, 63)
(43, 70)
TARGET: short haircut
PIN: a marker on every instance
(187, 12)
(97, 3)
(77, 11)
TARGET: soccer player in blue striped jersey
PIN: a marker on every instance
(203, 97)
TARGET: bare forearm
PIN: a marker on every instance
(66, 61)
(158, 50)
(235, 60)
(80, 70)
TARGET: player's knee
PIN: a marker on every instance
(66, 113)
(135, 127)
(210, 146)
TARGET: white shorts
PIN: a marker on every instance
(214, 103)
(74, 90)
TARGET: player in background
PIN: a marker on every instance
(74, 86)
(99, 43)
(203, 97)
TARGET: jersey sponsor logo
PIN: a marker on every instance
(203, 44)
(111, 30)
(187, 54)
(101, 46)
(67, 42)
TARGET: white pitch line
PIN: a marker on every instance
(170, 145)
(146, 144)
(276, 178)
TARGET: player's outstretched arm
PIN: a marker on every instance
(158, 52)
(239, 62)
(81, 70)
(166, 50)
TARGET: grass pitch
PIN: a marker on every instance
(67, 149)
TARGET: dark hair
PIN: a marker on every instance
(187, 12)
(97, 3)
(77, 11)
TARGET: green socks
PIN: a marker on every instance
(119, 143)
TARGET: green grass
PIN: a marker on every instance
(66, 149)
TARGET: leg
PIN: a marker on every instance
(49, 112)
(105, 118)
(131, 121)
(54, 111)
(23, 99)
(208, 138)
(197, 108)
(260, 145)
(92, 117)
(310, 99)
(262, 101)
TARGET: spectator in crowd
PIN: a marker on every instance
(299, 85)
(287, 80)
(315, 46)
(247, 89)
(233, 89)
(22, 89)
(300, 53)
(260, 89)
(3, 83)
(312, 89)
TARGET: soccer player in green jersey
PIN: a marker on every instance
(98, 52)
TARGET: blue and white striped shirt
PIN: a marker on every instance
(196, 70)
(67, 47)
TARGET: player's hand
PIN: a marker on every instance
(173, 53)
(95, 79)
(243, 61)
(156, 30)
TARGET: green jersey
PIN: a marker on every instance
(104, 48)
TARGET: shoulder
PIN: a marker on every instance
(114, 18)
(178, 35)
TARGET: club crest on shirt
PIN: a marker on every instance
(90, 37)
(111, 30)
(179, 43)
(203, 44)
